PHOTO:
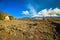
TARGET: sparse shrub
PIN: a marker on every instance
(50, 38)
(2, 17)
(11, 17)
(2, 27)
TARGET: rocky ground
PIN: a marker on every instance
(27, 30)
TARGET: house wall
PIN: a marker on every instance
(7, 18)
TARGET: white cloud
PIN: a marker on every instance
(56, 10)
(25, 12)
(48, 13)
(32, 10)
(45, 12)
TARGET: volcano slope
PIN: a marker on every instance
(27, 30)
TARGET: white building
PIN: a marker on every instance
(7, 18)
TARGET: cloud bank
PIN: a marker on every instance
(48, 13)
(43, 13)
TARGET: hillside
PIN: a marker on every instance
(23, 29)
(4, 14)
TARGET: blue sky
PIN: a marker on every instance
(29, 8)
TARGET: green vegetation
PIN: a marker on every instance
(2, 17)
(11, 17)
(49, 38)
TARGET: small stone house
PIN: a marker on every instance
(7, 18)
